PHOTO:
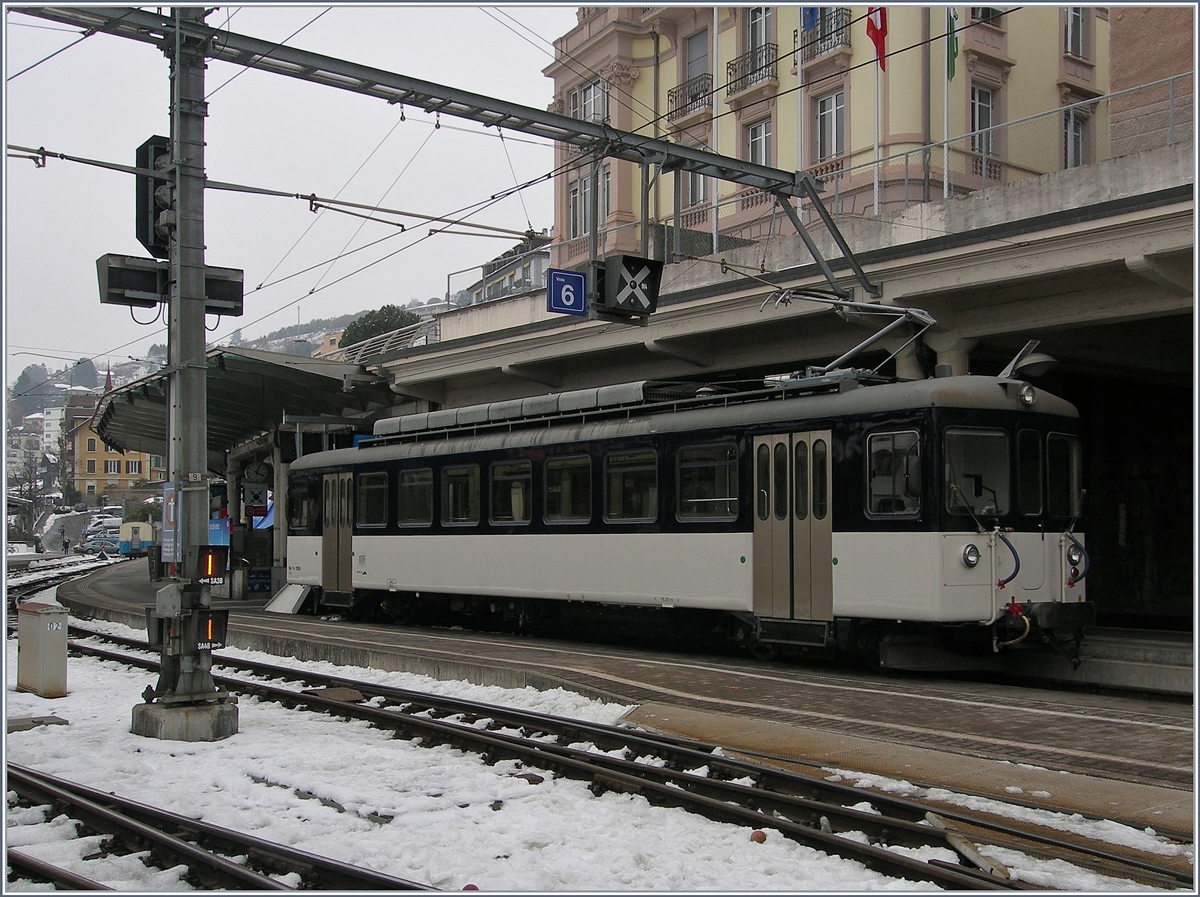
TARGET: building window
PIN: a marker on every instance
(579, 202)
(133, 467)
(1073, 42)
(830, 133)
(988, 14)
(90, 465)
(696, 185)
(590, 102)
(758, 142)
(697, 55)
(91, 443)
(982, 108)
(112, 466)
(1075, 126)
(758, 28)
(91, 489)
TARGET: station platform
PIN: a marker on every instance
(120, 593)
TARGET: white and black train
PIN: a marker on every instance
(909, 522)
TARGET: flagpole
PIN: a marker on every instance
(946, 112)
(946, 115)
(876, 139)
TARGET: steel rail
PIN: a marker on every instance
(20, 861)
(104, 819)
(777, 790)
(319, 872)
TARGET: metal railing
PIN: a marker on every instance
(832, 32)
(418, 334)
(690, 96)
(752, 68)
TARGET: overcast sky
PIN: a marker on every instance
(102, 97)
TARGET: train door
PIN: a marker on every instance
(793, 527)
(336, 531)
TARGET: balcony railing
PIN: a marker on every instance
(690, 96)
(832, 32)
(752, 68)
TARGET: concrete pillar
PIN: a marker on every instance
(952, 348)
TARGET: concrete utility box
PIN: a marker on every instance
(42, 649)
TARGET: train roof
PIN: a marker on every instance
(644, 407)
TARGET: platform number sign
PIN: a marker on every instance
(566, 292)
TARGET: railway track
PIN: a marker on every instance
(216, 857)
(824, 815)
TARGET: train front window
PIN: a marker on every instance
(976, 473)
(1029, 472)
(894, 473)
(372, 503)
(708, 487)
(569, 490)
(512, 484)
(631, 486)
(460, 495)
(1064, 474)
(416, 497)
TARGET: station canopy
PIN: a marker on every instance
(249, 391)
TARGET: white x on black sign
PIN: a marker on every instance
(633, 288)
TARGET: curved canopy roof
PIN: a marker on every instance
(249, 391)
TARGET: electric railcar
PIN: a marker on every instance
(921, 524)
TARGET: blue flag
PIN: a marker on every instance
(809, 17)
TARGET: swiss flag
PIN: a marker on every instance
(877, 31)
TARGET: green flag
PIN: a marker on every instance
(951, 42)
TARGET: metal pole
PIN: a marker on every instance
(188, 412)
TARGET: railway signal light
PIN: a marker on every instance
(211, 561)
(211, 628)
(153, 197)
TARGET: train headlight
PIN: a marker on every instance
(1028, 395)
(1074, 555)
(970, 556)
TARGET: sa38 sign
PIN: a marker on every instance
(566, 292)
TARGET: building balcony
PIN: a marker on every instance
(752, 69)
(832, 32)
(693, 95)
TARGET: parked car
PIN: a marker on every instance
(101, 522)
(99, 545)
(80, 506)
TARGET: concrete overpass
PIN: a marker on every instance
(1097, 262)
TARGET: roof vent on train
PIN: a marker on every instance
(532, 407)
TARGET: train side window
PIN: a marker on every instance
(1064, 474)
(820, 479)
(763, 465)
(372, 502)
(893, 473)
(801, 476)
(512, 486)
(460, 495)
(977, 477)
(569, 489)
(631, 486)
(708, 482)
(416, 497)
(302, 510)
(1029, 472)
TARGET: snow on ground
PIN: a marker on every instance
(433, 815)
